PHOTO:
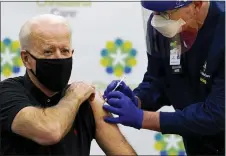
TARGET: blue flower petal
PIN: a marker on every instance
(109, 70)
(104, 53)
(16, 69)
(118, 42)
(7, 41)
(127, 70)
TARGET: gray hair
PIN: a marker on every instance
(26, 29)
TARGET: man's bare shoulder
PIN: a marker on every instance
(97, 105)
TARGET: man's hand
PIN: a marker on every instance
(122, 88)
(80, 91)
(108, 136)
(123, 106)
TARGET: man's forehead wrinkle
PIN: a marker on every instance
(42, 43)
(48, 36)
(43, 31)
(49, 26)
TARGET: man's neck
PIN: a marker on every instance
(40, 86)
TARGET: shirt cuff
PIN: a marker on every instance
(141, 96)
(169, 123)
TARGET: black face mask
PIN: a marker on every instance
(53, 73)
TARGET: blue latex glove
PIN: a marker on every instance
(121, 105)
(122, 88)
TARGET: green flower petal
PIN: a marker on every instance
(7, 70)
(172, 152)
(126, 47)
(14, 46)
(159, 146)
(118, 70)
(111, 47)
(17, 61)
(2, 47)
(106, 61)
(131, 62)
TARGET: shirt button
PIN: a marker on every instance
(48, 100)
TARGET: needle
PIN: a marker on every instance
(118, 84)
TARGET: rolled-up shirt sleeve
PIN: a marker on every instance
(12, 100)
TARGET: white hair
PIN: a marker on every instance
(26, 29)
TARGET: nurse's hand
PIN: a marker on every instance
(122, 88)
(121, 105)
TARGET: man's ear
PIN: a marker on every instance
(72, 51)
(25, 58)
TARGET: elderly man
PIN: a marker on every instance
(40, 114)
(186, 69)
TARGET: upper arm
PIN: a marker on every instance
(204, 118)
(12, 100)
(17, 115)
(108, 136)
(151, 91)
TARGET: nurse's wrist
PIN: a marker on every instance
(151, 121)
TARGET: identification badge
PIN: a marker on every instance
(175, 52)
(174, 59)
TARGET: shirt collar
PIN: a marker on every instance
(39, 96)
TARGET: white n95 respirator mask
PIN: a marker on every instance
(168, 28)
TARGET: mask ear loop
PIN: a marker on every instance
(35, 58)
(32, 55)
